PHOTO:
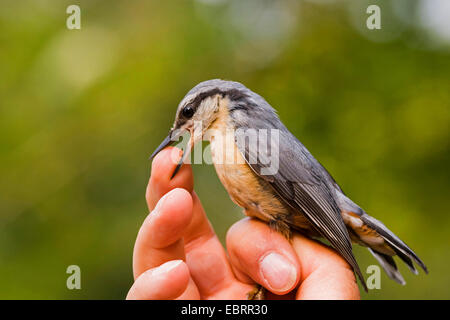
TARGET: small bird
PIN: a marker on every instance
(276, 179)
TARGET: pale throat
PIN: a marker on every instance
(221, 136)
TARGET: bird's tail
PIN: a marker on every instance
(381, 242)
(391, 246)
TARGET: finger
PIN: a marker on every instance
(191, 292)
(160, 183)
(165, 282)
(263, 255)
(160, 236)
(325, 274)
(205, 255)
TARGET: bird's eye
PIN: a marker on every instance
(188, 112)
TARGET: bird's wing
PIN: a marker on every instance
(300, 181)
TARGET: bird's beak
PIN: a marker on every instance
(172, 137)
(186, 153)
(167, 141)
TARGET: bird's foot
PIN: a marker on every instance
(258, 293)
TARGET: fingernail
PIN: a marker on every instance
(166, 267)
(278, 272)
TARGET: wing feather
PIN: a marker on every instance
(303, 184)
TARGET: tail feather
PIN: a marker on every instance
(354, 215)
(388, 264)
(403, 251)
(406, 260)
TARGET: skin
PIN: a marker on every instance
(177, 254)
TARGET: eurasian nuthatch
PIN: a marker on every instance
(276, 179)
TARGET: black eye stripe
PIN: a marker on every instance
(233, 94)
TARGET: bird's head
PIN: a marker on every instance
(200, 108)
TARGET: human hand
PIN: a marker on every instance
(177, 255)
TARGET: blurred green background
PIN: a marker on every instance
(81, 111)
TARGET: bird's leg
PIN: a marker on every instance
(280, 226)
(258, 293)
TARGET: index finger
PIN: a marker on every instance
(205, 255)
(160, 182)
